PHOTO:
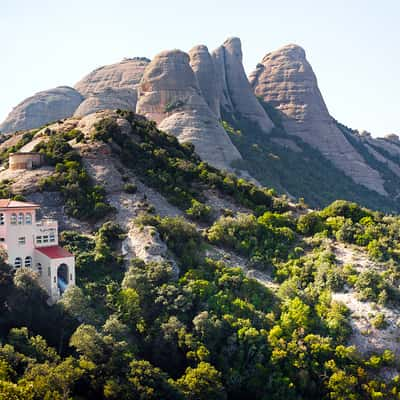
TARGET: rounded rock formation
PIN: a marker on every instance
(108, 99)
(204, 69)
(236, 94)
(170, 95)
(42, 108)
(125, 74)
(286, 80)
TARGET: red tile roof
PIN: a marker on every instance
(7, 203)
(54, 252)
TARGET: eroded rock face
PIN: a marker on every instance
(108, 99)
(236, 94)
(42, 108)
(125, 74)
(204, 69)
(286, 80)
(170, 95)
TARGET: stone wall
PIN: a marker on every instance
(25, 160)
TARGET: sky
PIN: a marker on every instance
(353, 45)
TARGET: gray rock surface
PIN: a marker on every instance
(236, 94)
(125, 74)
(108, 99)
(42, 108)
(286, 80)
(170, 95)
(204, 69)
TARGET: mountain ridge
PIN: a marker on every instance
(286, 100)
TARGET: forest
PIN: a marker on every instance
(131, 330)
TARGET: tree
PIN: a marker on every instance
(89, 343)
(202, 383)
(150, 383)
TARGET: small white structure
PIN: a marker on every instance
(33, 243)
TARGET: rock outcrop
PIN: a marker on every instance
(286, 80)
(170, 95)
(125, 74)
(42, 108)
(112, 86)
(204, 69)
(236, 95)
(108, 99)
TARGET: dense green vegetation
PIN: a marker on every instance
(83, 199)
(175, 170)
(292, 168)
(377, 233)
(211, 333)
(131, 330)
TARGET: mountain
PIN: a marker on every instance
(273, 127)
(170, 95)
(112, 86)
(191, 282)
(42, 108)
(236, 97)
(285, 80)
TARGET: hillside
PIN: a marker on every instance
(191, 282)
(273, 126)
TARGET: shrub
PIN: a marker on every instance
(379, 321)
(130, 188)
(199, 211)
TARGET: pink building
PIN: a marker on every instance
(33, 243)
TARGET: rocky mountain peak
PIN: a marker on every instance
(293, 51)
(41, 108)
(236, 95)
(286, 80)
(169, 93)
(125, 74)
(233, 45)
(203, 67)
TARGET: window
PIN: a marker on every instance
(28, 262)
(38, 239)
(20, 218)
(14, 219)
(28, 218)
(21, 240)
(52, 237)
(1, 219)
(55, 279)
(39, 268)
(18, 262)
(2, 239)
(49, 271)
(45, 239)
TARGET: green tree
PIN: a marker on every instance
(202, 383)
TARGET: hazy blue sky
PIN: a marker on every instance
(353, 45)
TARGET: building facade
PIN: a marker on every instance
(32, 243)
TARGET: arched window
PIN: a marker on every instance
(28, 262)
(1, 218)
(28, 218)
(13, 219)
(18, 262)
(20, 218)
(39, 268)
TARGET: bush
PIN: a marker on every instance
(130, 188)
(199, 211)
(83, 200)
